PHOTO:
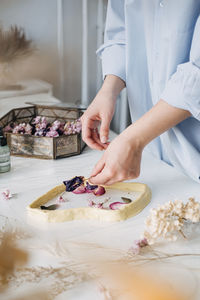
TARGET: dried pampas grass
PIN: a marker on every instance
(14, 49)
(14, 45)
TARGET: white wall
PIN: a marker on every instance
(39, 19)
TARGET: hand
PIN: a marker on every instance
(121, 161)
(100, 112)
(122, 158)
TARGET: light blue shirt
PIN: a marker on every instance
(154, 46)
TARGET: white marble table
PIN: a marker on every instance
(29, 178)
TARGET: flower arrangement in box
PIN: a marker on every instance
(43, 131)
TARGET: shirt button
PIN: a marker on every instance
(161, 4)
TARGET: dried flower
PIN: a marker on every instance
(192, 211)
(168, 219)
(50, 207)
(91, 203)
(73, 183)
(99, 191)
(14, 45)
(6, 195)
(80, 189)
(40, 127)
(60, 200)
(52, 133)
(116, 205)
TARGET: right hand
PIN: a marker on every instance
(100, 112)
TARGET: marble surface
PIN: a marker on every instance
(29, 178)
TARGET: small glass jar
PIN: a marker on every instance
(4, 153)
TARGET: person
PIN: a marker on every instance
(152, 48)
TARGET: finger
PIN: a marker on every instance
(98, 167)
(88, 138)
(102, 178)
(96, 138)
(104, 130)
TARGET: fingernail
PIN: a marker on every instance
(103, 139)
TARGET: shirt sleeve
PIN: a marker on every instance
(183, 88)
(112, 52)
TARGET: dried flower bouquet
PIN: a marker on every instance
(14, 47)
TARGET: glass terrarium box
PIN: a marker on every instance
(46, 132)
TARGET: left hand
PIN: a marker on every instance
(120, 161)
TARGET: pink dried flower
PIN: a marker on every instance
(91, 203)
(135, 250)
(79, 190)
(8, 128)
(142, 242)
(19, 128)
(100, 190)
(60, 200)
(56, 124)
(6, 195)
(116, 205)
(138, 245)
(99, 205)
(37, 120)
(28, 129)
(52, 133)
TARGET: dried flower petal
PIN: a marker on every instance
(52, 133)
(50, 207)
(142, 242)
(99, 191)
(90, 187)
(99, 205)
(126, 200)
(6, 195)
(91, 203)
(116, 205)
(135, 250)
(80, 189)
(60, 200)
(73, 183)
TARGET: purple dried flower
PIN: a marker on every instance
(91, 187)
(73, 183)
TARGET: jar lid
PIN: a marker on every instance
(3, 140)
